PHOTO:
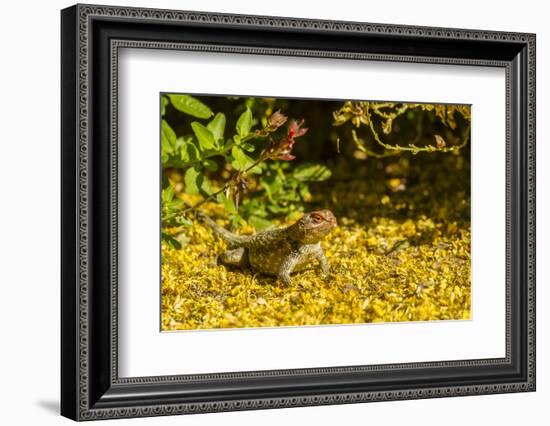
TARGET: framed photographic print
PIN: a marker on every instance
(263, 212)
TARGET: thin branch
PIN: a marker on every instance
(411, 147)
(362, 147)
(221, 190)
(393, 115)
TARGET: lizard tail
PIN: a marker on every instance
(230, 238)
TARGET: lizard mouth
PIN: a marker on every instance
(330, 219)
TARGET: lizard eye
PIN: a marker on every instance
(316, 218)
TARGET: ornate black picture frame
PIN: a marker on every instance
(91, 37)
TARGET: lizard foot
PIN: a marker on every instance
(285, 279)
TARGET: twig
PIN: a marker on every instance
(222, 189)
(411, 147)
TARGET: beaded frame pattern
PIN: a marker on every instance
(86, 12)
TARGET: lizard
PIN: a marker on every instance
(281, 251)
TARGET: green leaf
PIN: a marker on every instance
(204, 184)
(190, 179)
(253, 207)
(304, 191)
(189, 152)
(217, 126)
(190, 105)
(248, 147)
(204, 136)
(170, 241)
(228, 204)
(241, 161)
(168, 138)
(167, 194)
(180, 220)
(311, 173)
(180, 142)
(272, 184)
(259, 223)
(257, 170)
(175, 205)
(278, 209)
(244, 123)
(210, 165)
(163, 103)
(196, 182)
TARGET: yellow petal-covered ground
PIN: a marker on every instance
(386, 272)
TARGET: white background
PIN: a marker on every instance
(29, 225)
(140, 343)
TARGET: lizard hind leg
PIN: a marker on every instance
(235, 257)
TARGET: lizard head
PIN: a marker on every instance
(313, 226)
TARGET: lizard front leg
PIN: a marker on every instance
(288, 265)
(322, 261)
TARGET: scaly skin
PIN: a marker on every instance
(281, 251)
